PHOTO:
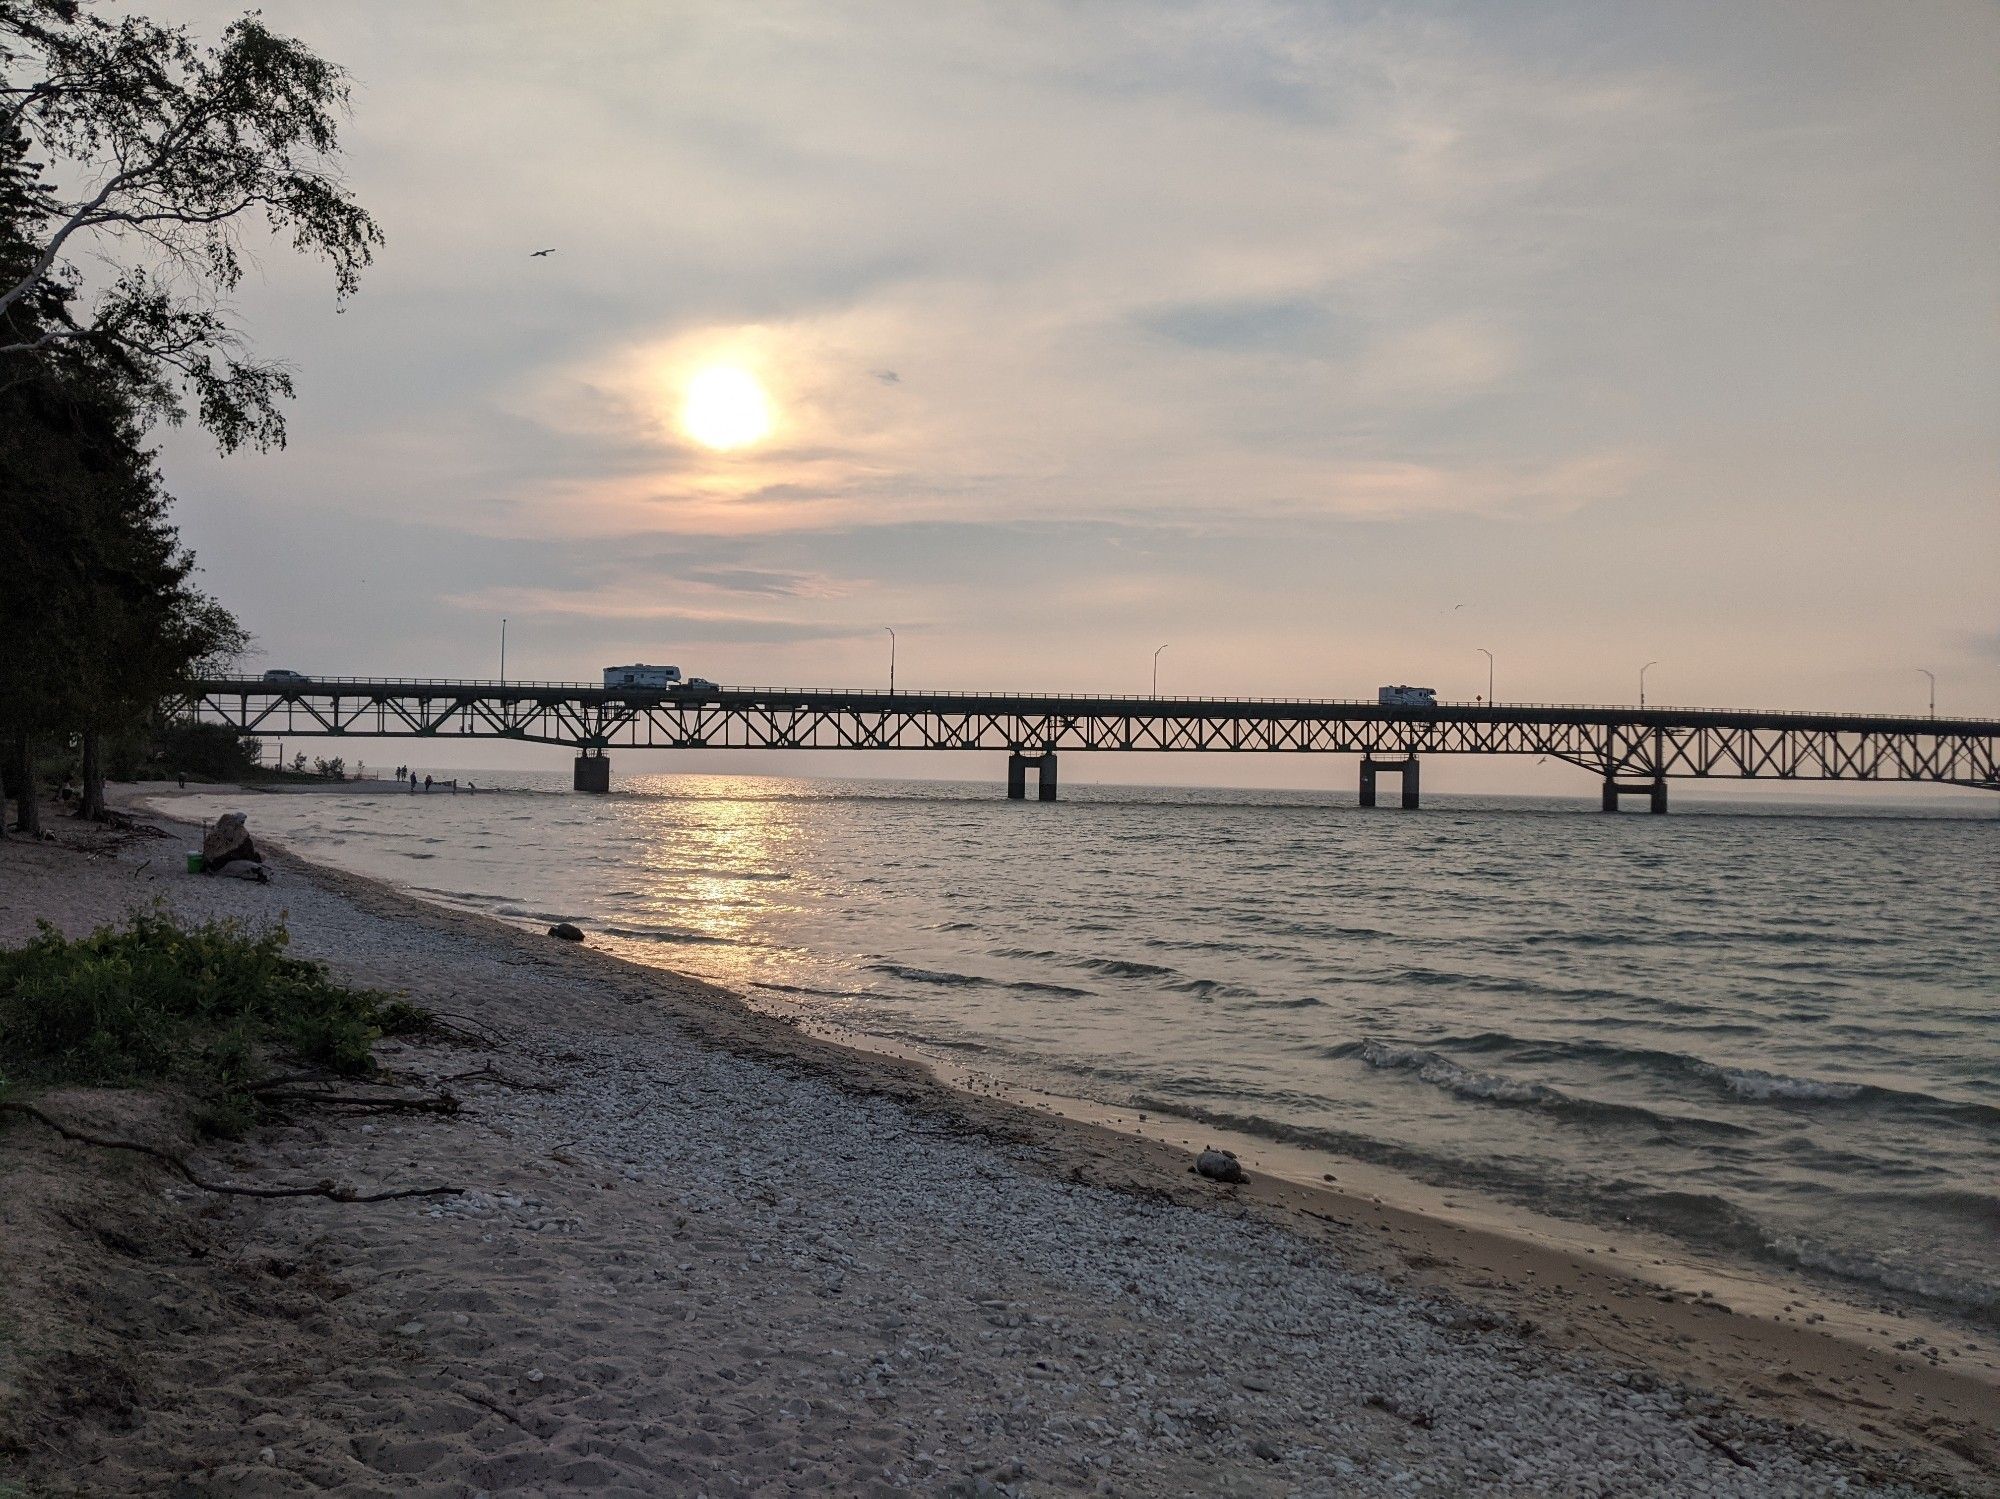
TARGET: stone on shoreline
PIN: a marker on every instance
(1220, 1166)
(228, 841)
(567, 932)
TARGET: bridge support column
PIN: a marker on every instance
(1045, 776)
(593, 773)
(1407, 769)
(1655, 792)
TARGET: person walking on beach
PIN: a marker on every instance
(427, 785)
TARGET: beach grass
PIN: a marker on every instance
(206, 1008)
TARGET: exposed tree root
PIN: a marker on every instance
(447, 1025)
(442, 1103)
(490, 1074)
(331, 1191)
(1724, 1448)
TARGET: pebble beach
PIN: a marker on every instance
(697, 1252)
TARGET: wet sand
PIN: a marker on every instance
(700, 1249)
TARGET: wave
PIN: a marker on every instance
(1742, 1084)
(1976, 1299)
(1760, 1087)
(666, 934)
(1124, 968)
(1488, 1087)
(947, 979)
(473, 896)
(805, 989)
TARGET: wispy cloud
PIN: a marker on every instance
(1633, 321)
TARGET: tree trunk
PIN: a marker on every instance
(91, 804)
(21, 771)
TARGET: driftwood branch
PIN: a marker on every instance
(331, 1191)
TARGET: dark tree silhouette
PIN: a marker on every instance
(166, 151)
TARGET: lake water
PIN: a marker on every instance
(1767, 1032)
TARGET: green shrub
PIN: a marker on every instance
(205, 1007)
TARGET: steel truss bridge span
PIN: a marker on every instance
(1635, 751)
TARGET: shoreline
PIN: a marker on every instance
(605, 1098)
(1630, 1294)
(1846, 1309)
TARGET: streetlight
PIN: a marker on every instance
(1156, 672)
(1642, 681)
(503, 650)
(892, 660)
(1933, 676)
(1489, 672)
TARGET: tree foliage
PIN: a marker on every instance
(156, 154)
(100, 614)
(129, 149)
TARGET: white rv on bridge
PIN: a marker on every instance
(644, 678)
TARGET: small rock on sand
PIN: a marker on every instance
(1220, 1166)
(567, 932)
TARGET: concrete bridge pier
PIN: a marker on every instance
(1045, 776)
(1654, 790)
(593, 773)
(1406, 768)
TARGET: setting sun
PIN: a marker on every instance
(726, 408)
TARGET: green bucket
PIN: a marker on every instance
(194, 861)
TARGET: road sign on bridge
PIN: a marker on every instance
(1634, 751)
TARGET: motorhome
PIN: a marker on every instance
(1407, 697)
(641, 677)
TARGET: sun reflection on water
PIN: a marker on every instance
(716, 867)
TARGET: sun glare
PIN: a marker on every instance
(726, 408)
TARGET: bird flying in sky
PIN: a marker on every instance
(538, 254)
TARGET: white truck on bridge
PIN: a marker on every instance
(1407, 697)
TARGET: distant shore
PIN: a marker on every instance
(703, 1172)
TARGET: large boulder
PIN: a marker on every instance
(228, 841)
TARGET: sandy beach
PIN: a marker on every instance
(698, 1251)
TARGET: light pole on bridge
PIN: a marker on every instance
(1642, 681)
(892, 660)
(503, 650)
(1933, 676)
(1489, 672)
(1156, 671)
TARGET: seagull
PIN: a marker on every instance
(538, 254)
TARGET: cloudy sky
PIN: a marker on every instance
(1324, 343)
